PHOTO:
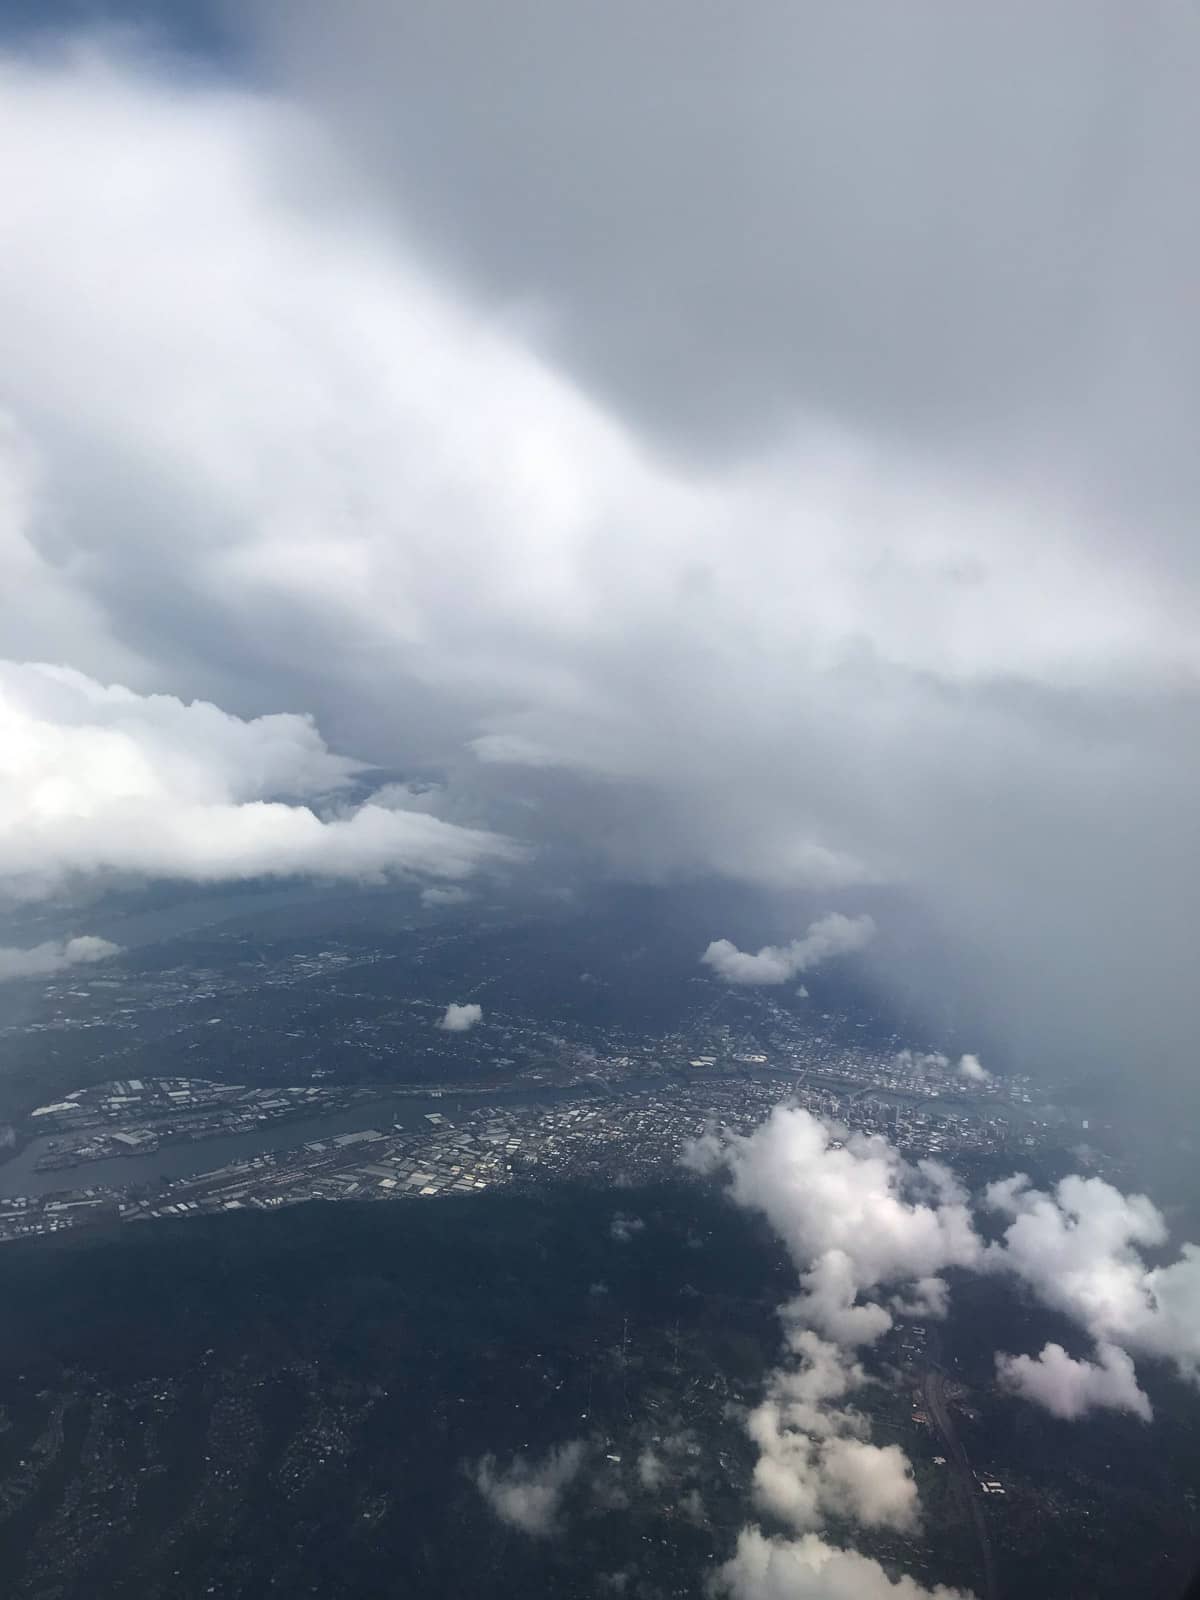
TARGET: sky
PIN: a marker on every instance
(717, 443)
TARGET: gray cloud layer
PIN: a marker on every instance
(750, 450)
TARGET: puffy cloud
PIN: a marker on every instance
(833, 935)
(461, 1018)
(43, 960)
(921, 1061)
(1077, 1249)
(973, 1070)
(528, 1494)
(97, 779)
(815, 1460)
(855, 1217)
(854, 1214)
(809, 1569)
(1070, 1389)
(830, 1301)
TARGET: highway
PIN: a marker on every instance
(933, 1388)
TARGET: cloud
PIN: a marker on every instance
(921, 1061)
(1070, 1389)
(853, 1213)
(927, 1298)
(98, 780)
(809, 1569)
(886, 648)
(1077, 1248)
(833, 935)
(439, 896)
(623, 1228)
(461, 1018)
(856, 1218)
(798, 610)
(815, 1461)
(43, 960)
(528, 1494)
(973, 1070)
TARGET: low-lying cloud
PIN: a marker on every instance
(833, 935)
(1078, 1249)
(624, 1227)
(1070, 1389)
(528, 1493)
(44, 960)
(461, 1018)
(765, 1568)
(815, 1457)
(853, 1213)
(872, 1235)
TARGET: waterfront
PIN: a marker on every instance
(18, 1175)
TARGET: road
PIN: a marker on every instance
(933, 1387)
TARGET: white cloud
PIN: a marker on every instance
(973, 1070)
(1077, 1249)
(1070, 1389)
(43, 960)
(833, 935)
(528, 1494)
(854, 1214)
(815, 1460)
(810, 1569)
(461, 1018)
(96, 779)
(858, 1219)
(855, 1217)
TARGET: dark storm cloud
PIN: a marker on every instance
(740, 442)
(963, 225)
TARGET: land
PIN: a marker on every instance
(615, 1128)
(230, 1039)
(231, 1363)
